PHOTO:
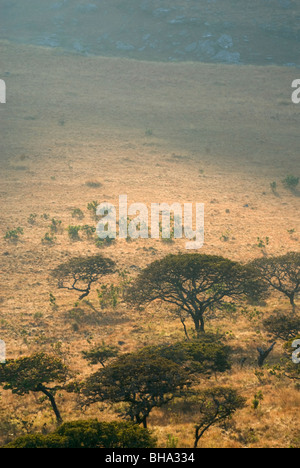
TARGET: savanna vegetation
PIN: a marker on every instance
(157, 377)
(130, 343)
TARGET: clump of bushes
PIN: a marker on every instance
(90, 434)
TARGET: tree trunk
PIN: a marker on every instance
(199, 435)
(292, 301)
(199, 324)
(85, 294)
(145, 423)
(185, 329)
(49, 395)
(263, 354)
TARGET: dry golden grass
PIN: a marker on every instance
(156, 132)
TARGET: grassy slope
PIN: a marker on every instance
(220, 136)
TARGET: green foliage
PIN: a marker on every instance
(34, 374)
(28, 374)
(80, 273)
(253, 315)
(140, 382)
(258, 398)
(89, 231)
(48, 238)
(73, 232)
(104, 242)
(172, 442)
(203, 356)
(282, 326)
(280, 273)
(195, 283)
(90, 434)
(14, 234)
(32, 219)
(93, 184)
(101, 354)
(92, 207)
(216, 405)
(273, 186)
(55, 226)
(263, 243)
(108, 296)
(77, 213)
(38, 441)
(291, 182)
(52, 301)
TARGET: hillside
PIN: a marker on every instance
(77, 129)
(226, 31)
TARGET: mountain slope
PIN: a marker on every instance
(226, 31)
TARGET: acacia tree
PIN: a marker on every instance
(281, 273)
(216, 405)
(79, 273)
(195, 283)
(34, 374)
(100, 354)
(141, 382)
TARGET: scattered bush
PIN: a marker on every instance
(93, 184)
(48, 238)
(92, 207)
(73, 232)
(32, 219)
(55, 226)
(14, 234)
(291, 182)
(77, 213)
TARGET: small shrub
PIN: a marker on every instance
(291, 182)
(92, 207)
(225, 236)
(14, 234)
(258, 398)
(109, 296)
(73, 232)
(48, 238)
(32, 219)
(104, 242)
(93, 184)
(89, 231)
(263, 243)
(55, 225)
(77, 213)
